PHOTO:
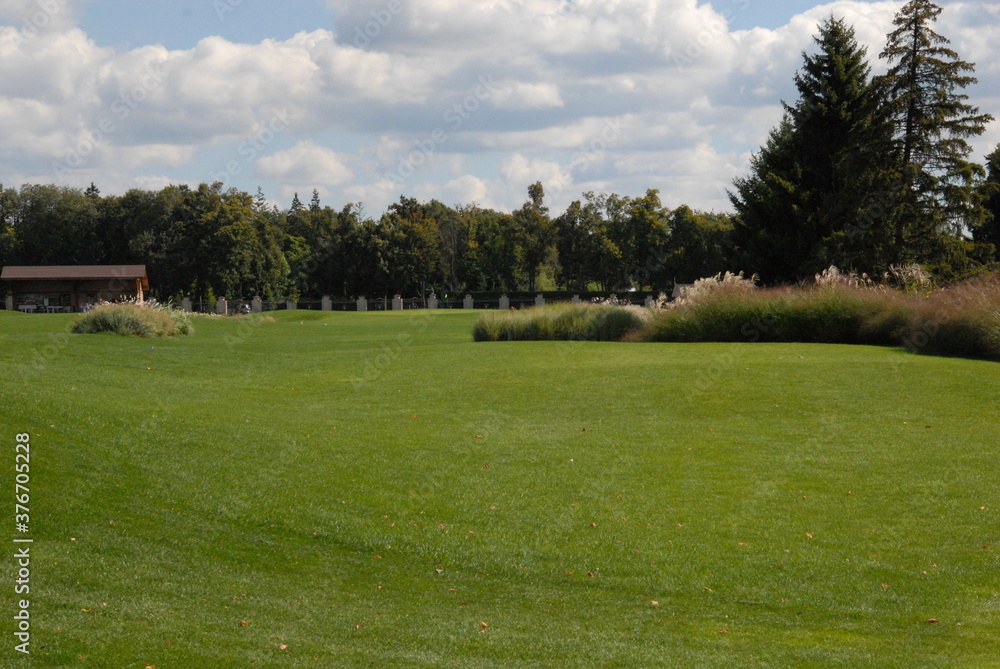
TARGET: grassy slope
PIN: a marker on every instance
(296, 476)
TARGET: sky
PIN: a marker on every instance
(464, 102)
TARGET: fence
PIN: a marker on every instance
(397, 303)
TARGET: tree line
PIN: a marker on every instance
(864, 172)
(209, 241)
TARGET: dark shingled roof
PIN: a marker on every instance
(77, 273)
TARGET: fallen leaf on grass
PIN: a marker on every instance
(282, 647)
(933, 620)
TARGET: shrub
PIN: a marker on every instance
(138, 320)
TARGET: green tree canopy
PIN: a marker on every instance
(933, 120)
(809, 199)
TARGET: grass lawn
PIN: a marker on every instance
(376, 490)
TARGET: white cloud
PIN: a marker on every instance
(38, 16)
(520, 95)
(307, 164)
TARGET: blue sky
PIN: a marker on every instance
(180, 24)
(465, 102)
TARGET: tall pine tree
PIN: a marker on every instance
(938, 198)
(812, 197)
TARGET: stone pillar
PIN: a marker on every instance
(10, 303)
(433, 302)
(362, 304)
(650, 301)
(257, 305)
(540, 300)
(291, 306)
(468, 302)
(222, 307)
(397, 302)
(576, 299)
(504, 302)
(327, 303)
(186, 303)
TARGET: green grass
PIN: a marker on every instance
(366, 489)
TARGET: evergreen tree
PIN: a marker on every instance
(812, 197)
(843, 141)
(769, 227)
(989, 231)
(938, 198)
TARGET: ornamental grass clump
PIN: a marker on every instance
(148, 319)
(962, 320)
(582, 322)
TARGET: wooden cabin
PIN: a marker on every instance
(71, 288)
